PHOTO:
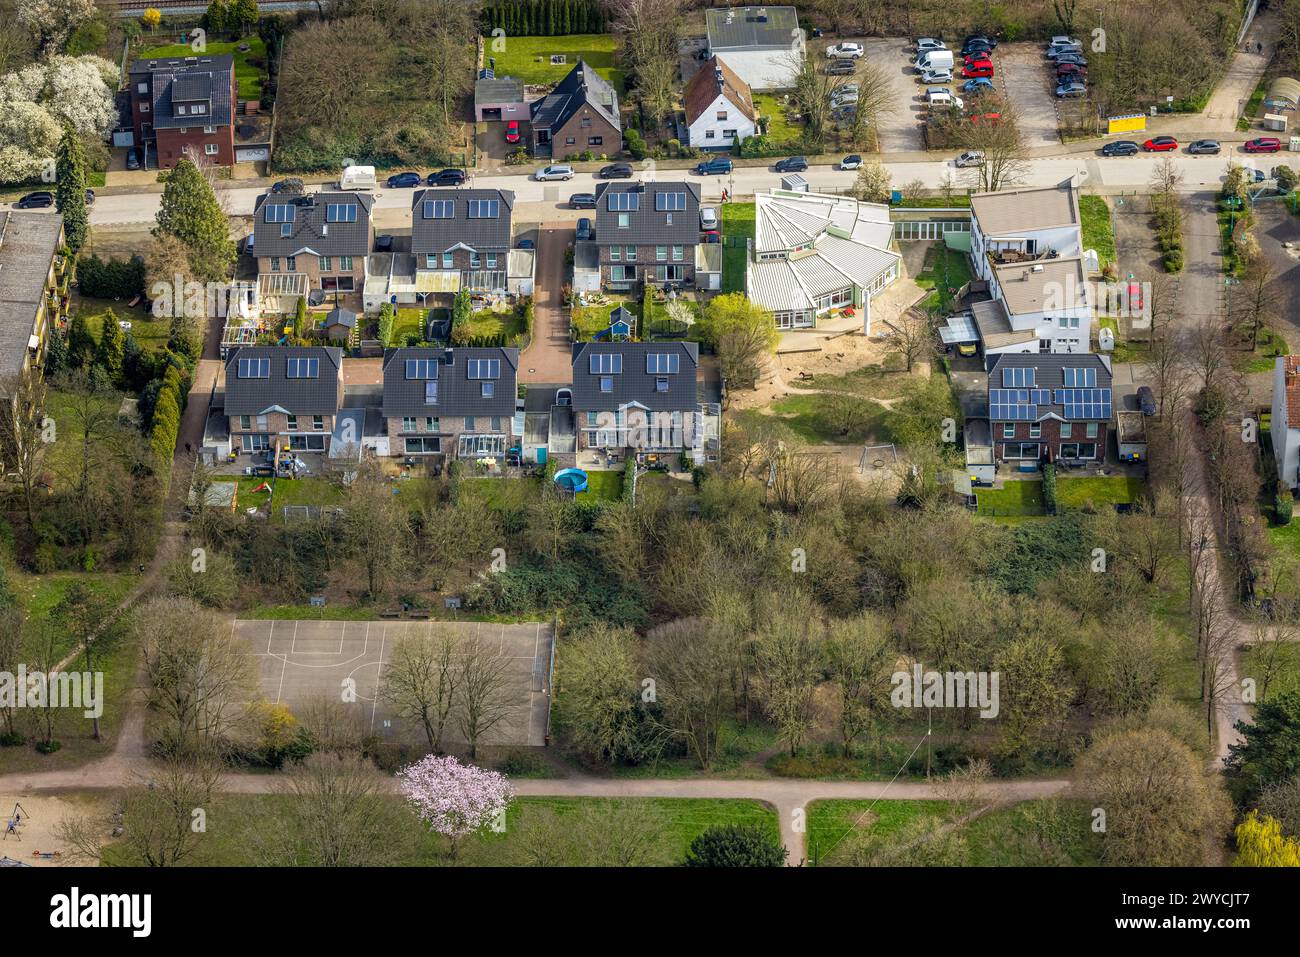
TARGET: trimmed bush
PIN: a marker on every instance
(1049, 489)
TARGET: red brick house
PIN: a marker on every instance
(185, 103)
(1046, 407)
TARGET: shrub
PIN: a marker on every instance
(1283, 505)
(1049, 489)
(110, 279)
(735, 845)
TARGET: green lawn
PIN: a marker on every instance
(677, 823)
(944, 269)
(409, 323)
(248, 76)
(1271, 345)
(505, 494)
(737, 226)
(149, 331)
(529, 58)
(1029, 834)
(487, 322)
(1252, 106)
(606, 486)
(304, 491)
(1097, 232)
(780, 127)
(1025, 497)
(807, 416)
(1124, 351)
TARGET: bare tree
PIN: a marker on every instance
(376, 527)
(1254, 304)
(911, 334)
(91, 420)
(25, 436)
(689, 662)
(790, 662)
(860, 658)
(421, 682)
(1275, 652)
(488, 692)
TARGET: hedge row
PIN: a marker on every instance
(1169, 231)
(166, 425)
(545, 18)
(110, 279)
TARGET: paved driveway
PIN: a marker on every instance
(547, 360)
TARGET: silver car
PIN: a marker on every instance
(554, 172)
(936, 76)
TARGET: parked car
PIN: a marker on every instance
(616, 171)
(844, 99)
(991, 41)
(717, 166)
(941, 96)
(1160, 144)
(1063, 41)
(447, 177)
(38, 200)
(90, 197)
(1070, 69)
(525, 244)
(1133, 296)
(1071, 89)
(708, 217)
(553, 172)
(977, 59)
(926, 44)
(973, 72)
(1120, 148)
(586, 230)
(512, 131)
(1078, 59)
(404, 180)
(1071, 49)
(851, 162)
(712, 236)
(841, 68)
(845, 50)
(936, 76)
(293, 186)
(383, 244)
(132, 159)
(1204, 147)
(795, 164)
(1263, 144)
(977, 87)
(248, 244)
(969, 158)
(1146, 400)
(986, 117)
(582, 201)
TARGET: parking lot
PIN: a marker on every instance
(1025, 78)
(900, 130)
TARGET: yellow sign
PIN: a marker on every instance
(1129, 123)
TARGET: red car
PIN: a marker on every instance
(1160, 144)
(977, 59)
(512, 131)
(986, 117)
(976, 71)
(1070, 70)
(1264, 144)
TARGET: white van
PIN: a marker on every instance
(938, 96)
(358, 177)
(934, 60)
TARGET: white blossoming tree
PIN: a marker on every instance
(454, 799)
(29, 136)
(52, 21)
(35, 103)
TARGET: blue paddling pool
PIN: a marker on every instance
(571, 480)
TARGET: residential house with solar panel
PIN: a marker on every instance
(1027, 244)
(460, 239)
(1045, 408)
(312, 246)
(647, 232)
(454, 403)
(814, 255)
(637, 396)
(284, 397)
(184, 103)
(1285, 428)
(579, 116)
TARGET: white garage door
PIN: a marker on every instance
(252, 154)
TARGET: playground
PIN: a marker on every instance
(305, 658)
(28, 823)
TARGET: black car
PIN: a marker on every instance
(795, 164)
(90, 197)
(35, 201)
(980, 38)
(585, 230)
(841, 68)
(1078, 59)
(616, 171)
(1121, 148)
(1204, 147)
(447, 177)
(1146, 400)
(404, 180)
(582, 201)
(976, 45)
(292, 186)
(132, 159)
(384, 244)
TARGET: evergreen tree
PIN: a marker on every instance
(191, 213)
(217, 18)
(70, 189)
(56, 355)
(110, 352)
(81, 344)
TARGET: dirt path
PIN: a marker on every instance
(548, 358)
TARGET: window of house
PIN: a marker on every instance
(483, 369)
(606, 383)
(182, 109)
(487, 389)
(255, 368)
(431, 424)
(292, 263)
(615, 253)
(678, 253)
(255, 443)
(492, 260)
(1035, 430)
(585, 122)
(210, 149)
(708, 134)
(661, 253)
(345, 263)
(144, 107)
(318, 422)
(474, 261)
(629, 253)
(302, 367)
(142, 88)
(661, 384)
(431, 392)
(275, 264)
(293, 423)
(423, 445)
(1067, 429)
(595, 140)
(430, 261)
(624, 220)
(469, 423)
(408, 424)
(307, 443)
(245, 422)
(209, 129)
(729, 134)
(569, 141)
(447, 261)
(325, 264)
(670, 273)
(721, 115)
(1008, 430)
(1092, 430)
(496, 423)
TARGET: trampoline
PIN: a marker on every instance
(571, 480)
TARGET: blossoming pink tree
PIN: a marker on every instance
(455, 799)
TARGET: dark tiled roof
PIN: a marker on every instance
(648, 225)
(491, 91)
(319, 396)
(712, 80)
(634, 383)
(439, 235)
(189, 78)
(582, 85)
(1049, 374)
(310, 233)
(457, 393)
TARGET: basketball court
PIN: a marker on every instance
(304, 658)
